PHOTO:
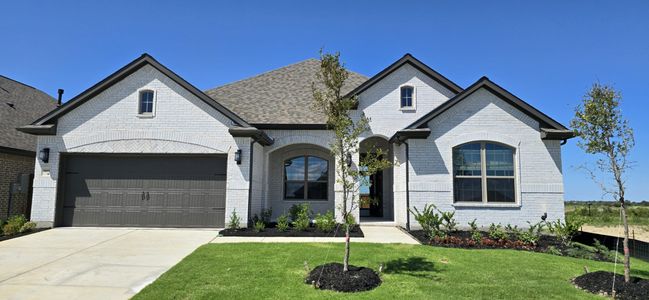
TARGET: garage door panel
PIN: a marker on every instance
(148, 191)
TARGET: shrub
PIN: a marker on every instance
(282, 223)
(350, 221)
(429, 220)
(234, 220)
(496, 232)
(448, 221)
(325, 222)
(29, 226)
(14, 224)
(514, 232)
(259, 226)
(565, 231)
(296, 209)
(302, 217)
(265, 215)
(532, 234)
(476, 235)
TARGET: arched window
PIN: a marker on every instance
(407, 97)
(306, 178)
(483, 172)
(146, 102)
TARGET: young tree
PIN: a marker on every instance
(329, 100)
(604, 132)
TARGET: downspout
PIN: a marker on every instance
(252, 143)
(407, 188)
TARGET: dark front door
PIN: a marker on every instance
(143, 191)
(376, 194)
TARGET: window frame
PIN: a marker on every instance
(413, 97)
(484, 176)
(306, 180)
(140, 113)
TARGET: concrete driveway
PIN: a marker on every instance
(95, 263)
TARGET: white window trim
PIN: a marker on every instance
(413, 107)
(155, 104)
(483, 176)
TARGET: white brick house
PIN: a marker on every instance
(144, 147)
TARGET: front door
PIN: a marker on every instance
(371, 193)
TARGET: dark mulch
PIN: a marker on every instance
(331, 277)
(462, 239)
(601, 282)
(291, 232)
(8, 237)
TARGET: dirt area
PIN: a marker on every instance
(641, 232)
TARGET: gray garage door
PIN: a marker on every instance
(143, 191)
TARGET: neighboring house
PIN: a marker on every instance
(19, 105)
(143, 147)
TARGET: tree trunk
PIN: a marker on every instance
(346, 258)
(627, 262)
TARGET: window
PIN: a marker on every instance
(483, 172)
(146, 102)
(407, 96)
(306, 178)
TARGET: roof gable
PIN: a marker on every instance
(484, 82)
(406, 59)
(119, 75)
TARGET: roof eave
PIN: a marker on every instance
(554, 134)
(406, 134)
(47, 129)
(257, 135)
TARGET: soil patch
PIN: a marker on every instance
(331, 277)
(601, 282)
(291, 232)
(8, 237)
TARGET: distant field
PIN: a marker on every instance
(608, 213)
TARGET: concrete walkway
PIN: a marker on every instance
(373, 234)
(77, 263)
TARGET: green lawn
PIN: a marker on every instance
(276, 271)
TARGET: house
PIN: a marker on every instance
(19, 105)
(144, 147)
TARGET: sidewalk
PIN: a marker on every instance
(373, 234)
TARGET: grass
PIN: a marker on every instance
(608, 213)
(276, 271)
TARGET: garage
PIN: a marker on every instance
(143, 191)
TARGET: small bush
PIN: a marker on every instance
(565, 231)
(259, 226)
(29, 226)
(282, 223)
(265, 215)
(476, 235)
(514, 232)
(532, 234)
(325, 222)
(429, 220)
(14, 224)
(496, 232)
(302, 218)
(234, 220)
(448, 221)
(296, 209)
(350, 221)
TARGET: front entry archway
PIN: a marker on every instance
(376, 192)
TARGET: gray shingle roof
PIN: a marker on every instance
(281, 96)
(20, 104)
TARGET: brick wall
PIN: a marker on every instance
(11, 167)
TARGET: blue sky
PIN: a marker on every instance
(547, 52)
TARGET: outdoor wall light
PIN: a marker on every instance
(44, 155)
(237, 156)
(544, 216)
(348, 159)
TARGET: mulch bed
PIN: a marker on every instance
(601, 282)
(8, 237)
(271, 231)
(462, 239)
(331, 277)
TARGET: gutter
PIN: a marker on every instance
(407, 187)
(252, 132)
(252, 150)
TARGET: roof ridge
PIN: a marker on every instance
(262, 74)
